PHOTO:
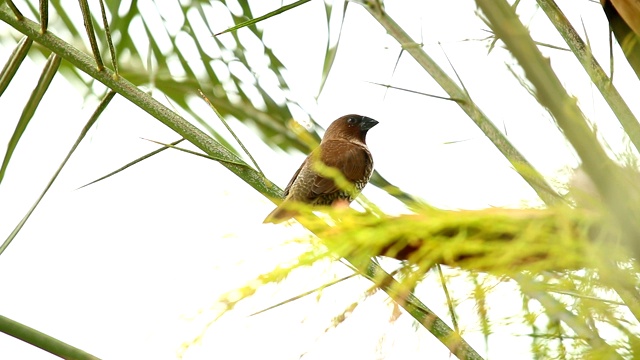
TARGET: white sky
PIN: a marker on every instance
(122, 268)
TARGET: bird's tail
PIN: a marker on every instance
(282, 213)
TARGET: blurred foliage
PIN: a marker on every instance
(154, 60)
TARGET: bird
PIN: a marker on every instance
(343, 147)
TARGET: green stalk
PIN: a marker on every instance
(611, 95)
(524, 168)
(87, 65)
(619, 194)
(123, 87)
(42, 341)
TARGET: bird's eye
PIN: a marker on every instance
(352, 121)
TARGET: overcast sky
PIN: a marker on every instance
(131, 267)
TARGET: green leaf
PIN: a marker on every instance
(264, 17)
(94, 117)
(331, 50)
(12, 65)
(48, 72)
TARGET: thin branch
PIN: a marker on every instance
(94, 117)
(582, 52)
(107, 31)
(42, 341)
(299, 296)
(146, 156)
(532, 176)
(620, 194)
(264, 17)
(232, 132)
(49, 70)
(14, 62)
(556, 310)
(91, 33)
(178, 124)
(44, 15)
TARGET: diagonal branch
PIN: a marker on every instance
(599, 78)
(524, 168)
(123, 87)
(118, 84)
(620, 194)
(42, 341)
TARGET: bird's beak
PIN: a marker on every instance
(367, 123)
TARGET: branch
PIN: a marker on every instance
(42, 341)
(524, 168)
(620, 193)
(123, 87)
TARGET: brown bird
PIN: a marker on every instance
(343, 147)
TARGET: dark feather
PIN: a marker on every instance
(352, 159)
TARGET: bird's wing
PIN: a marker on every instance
(281, 212)
(293, 179)
(351, 159)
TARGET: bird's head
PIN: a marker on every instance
(350, 127)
